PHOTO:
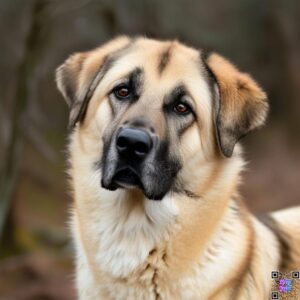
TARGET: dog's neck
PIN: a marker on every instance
(126, 227)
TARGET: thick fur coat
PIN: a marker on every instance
(178, 229)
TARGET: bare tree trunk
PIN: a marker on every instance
(282, 34)
(11, 167)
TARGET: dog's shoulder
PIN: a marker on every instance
(285, 225)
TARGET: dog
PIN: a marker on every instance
(155, 164)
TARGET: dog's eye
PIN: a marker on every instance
(122, 92)
(182, 108)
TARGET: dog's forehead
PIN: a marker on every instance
(160, 59)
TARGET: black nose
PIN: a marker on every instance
(134, 143)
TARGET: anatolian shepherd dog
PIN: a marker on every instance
(155, 165)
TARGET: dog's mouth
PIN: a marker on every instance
(127, 178)
(154, 177)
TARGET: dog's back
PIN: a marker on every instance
(286, 226)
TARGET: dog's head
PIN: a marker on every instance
(153, 108)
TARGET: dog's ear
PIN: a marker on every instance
(78, 77)
(67, 79)
(240, 106)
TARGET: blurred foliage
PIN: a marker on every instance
(260, 36)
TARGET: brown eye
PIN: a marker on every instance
(181, 108)
(122, 92)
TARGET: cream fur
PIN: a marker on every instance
(129, 247)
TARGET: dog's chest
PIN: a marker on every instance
(155, 279)
(144, 283)
(127, 234)
(121, 248)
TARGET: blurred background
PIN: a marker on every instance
(262, 37)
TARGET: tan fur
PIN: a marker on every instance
(203, 247)
(242, 106)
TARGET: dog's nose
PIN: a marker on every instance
(134, 143)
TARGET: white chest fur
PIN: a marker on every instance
(124, 230)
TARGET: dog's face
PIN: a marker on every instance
(155, 108)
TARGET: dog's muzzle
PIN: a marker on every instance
(135, 157)
(133, 145)
(130, 148)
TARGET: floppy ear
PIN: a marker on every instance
(78, 77)
(67, 79)
(241, 104)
